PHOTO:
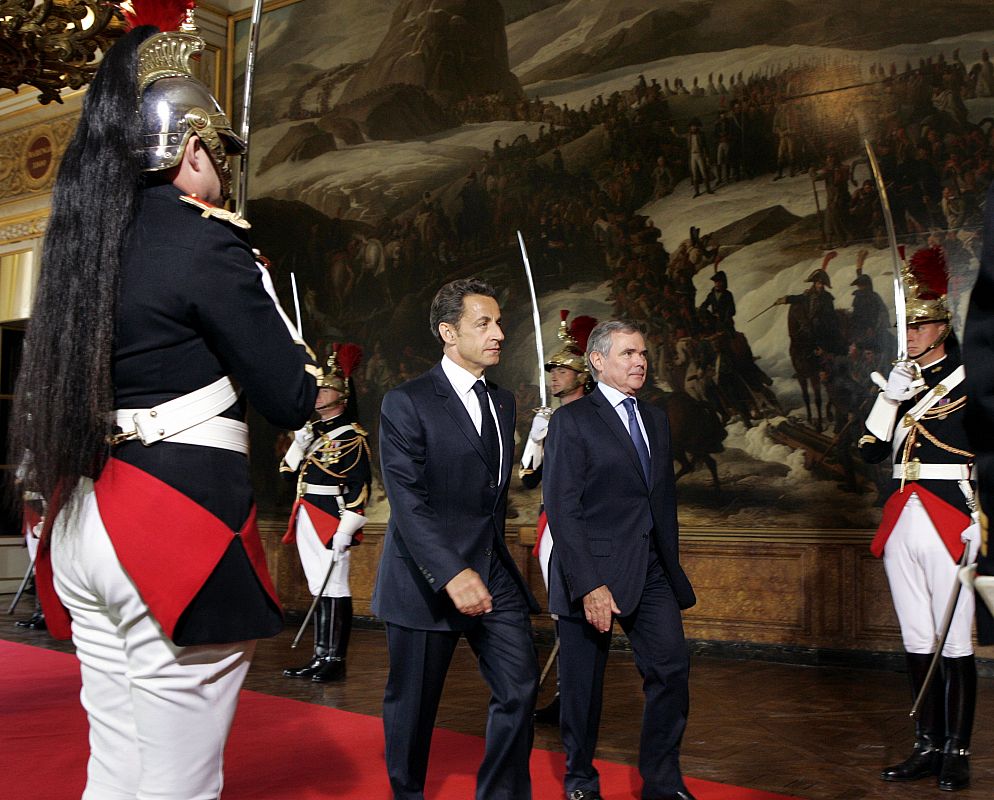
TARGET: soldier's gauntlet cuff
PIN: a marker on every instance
(883, 418)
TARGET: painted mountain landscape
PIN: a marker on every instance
(641, 148)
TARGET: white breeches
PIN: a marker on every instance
(922, 576)
(545, 554)
(316, 559)
(32, 542)
(159, 714)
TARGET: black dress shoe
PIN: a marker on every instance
(584, 794)
(305, 671)
(35, 623)
(684, 795)
(925, 761)
(331, 669)
(955, 773)
(548, 715)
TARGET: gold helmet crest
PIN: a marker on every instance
(572, 354)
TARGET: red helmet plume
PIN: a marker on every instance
(166, 15)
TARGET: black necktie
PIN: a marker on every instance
(488, 428)
(636, 433)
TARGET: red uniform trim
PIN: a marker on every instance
(949, 521)
(540, 529)
(324, 523)
(168, 544)
(31, 518)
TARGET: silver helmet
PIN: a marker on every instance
(174, 106)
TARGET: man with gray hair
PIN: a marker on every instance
(611, 500)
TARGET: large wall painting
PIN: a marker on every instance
(641, 148)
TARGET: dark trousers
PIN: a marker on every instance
(419, 660)
(655, 630)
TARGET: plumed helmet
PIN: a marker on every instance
(926, 283)
(174, 105)
(572, 355)
(343, 361)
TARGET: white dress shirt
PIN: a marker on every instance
(616, 399)
(462, 381)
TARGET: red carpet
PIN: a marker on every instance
(279, 749)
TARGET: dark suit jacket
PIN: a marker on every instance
(446, 509)
(602, 512)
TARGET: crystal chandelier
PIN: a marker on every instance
(54, 44)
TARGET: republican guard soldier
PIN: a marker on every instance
(570, 379)
(329, 459)
(919, 420)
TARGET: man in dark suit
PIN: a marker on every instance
(611, 501)
(446, 447)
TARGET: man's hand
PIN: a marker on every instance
(469, 594)
(598, 606)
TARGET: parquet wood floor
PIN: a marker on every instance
(813, 732)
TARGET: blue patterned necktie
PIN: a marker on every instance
(636, 433)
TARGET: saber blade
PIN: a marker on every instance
(900, 309)
(253, 46)
(296, 304)
(536, 321)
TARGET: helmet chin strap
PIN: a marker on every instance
(939, 340)
(333, 404)
(568, 389)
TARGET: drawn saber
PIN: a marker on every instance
(296, 304)
(900, 309)
(253, 46)
(947, 623)
(537, 322)
(314, 605)
(22, 588)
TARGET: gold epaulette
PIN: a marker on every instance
(210, 210)
(359, 429)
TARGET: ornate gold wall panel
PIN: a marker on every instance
(30, 156)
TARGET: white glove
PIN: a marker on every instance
(970, 536)
(340, 543)
(303, 437)
(902, 383)
(540, 427)
(879, 380)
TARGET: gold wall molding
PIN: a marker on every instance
(27, 226)
(807, 589)
(30, 156)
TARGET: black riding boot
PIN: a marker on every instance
(961, 700)
(340, 630)
(322, 642)
(36, 622)
(926, 757)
